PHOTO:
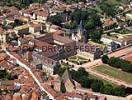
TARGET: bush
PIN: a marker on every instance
(119, 91)
(56, 69)
(4, 74)
(119, 63)
(96, 85)
(105, 59)
(85, 82)
(63, 88)
(107, 89)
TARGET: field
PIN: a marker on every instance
(115, 73)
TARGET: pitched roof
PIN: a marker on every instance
(62, 39)
(108, 22)
(43, 13)
(17, 96)
(34, 96)
(66, 76)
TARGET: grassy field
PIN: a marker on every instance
(115, 73)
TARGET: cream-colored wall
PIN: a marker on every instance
(86, 55)
(106, 40)
(3, 38)
(33, 30)
(129, 16)
(59, 43)
(41, 18)
(48, 70)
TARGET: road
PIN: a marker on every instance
(30, 72)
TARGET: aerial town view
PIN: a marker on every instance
(65, 49)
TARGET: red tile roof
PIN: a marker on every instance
(129, 59)
(17, 96)
(102, 98)
(8, 97)
(3, 56)
(108, 22)
(62, 39)
(34, 96)
(43, 13)
(50, 90)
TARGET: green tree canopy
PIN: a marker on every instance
(105, 59)
(96, 85)
(109, 9)
(107, 89)
(56, 19)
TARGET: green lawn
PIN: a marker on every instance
(78, 60)
(74, 57)
(65, 65)
(116, 73)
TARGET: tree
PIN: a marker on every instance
(82, 72)
(56, 19)
(81, 76)
(72, 25)
(113, 62)
(107, 89)
(95, 35)
(17, 23)
(119, 91)
(76, 15)
(109, 9)
(105, 59)
(89, 24)
(96, 85)
(73, 1)
(85, 82)
(119, 63)
(40, 1)
(63, 88)
(56, 69)
(26, 2)
(126, 66)
(61, 71)
(4, 74)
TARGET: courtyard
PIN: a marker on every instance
(78, 60)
